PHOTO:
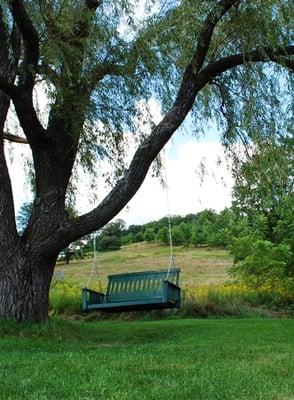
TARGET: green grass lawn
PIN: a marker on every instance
(171, 359)
(199, 265)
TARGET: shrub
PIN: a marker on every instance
(261, 262)
(108, 243)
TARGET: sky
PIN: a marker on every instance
(189, 190)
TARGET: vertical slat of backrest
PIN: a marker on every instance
(140, 284)
(137, 285)
(153, 285)
(131, 287)
(158, 284)
(155, 288)
(134, 286)
(143, 286)
(150, 285)
(109, 287)
(123, 289)
(116, 287)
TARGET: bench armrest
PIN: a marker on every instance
(91, 297)
(174, 293)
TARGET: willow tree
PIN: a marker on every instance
(226, 60)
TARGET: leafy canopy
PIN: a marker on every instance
(130, 56)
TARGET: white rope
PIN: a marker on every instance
(95, 267)
(171, 257)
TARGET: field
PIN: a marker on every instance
(174, 360)
(206, 287)
(199, 265)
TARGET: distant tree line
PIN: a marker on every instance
(204, 228)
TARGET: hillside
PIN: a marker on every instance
(199, 265)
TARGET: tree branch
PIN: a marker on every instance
(267, 54)
(8, 232)
(219, 10)
(143, 158)
(14, 138)
(10, 89)
(31, 43)
(206, 33)
(148, 150)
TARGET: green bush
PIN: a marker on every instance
(262, 263)
(108, 243)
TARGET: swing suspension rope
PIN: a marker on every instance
(171, 263)
(95, 268)
(166, 184)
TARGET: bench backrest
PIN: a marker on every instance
(139, 285)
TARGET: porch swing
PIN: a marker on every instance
(136, 291)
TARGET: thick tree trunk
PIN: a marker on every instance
(24, 287)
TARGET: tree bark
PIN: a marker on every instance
(24, 286)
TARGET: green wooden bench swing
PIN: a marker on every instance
(136, 291)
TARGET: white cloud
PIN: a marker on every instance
(189, 191)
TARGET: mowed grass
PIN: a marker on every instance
(198, 265)
(173, 359)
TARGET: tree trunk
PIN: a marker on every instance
(24, 287)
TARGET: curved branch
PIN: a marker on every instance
(212, 19)
(148, 150)
(31, 43)
(10, 89)
(26, 113)
(108, 68)
(207, 31)
(8, 232)
(143, 158)
(278, 55)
